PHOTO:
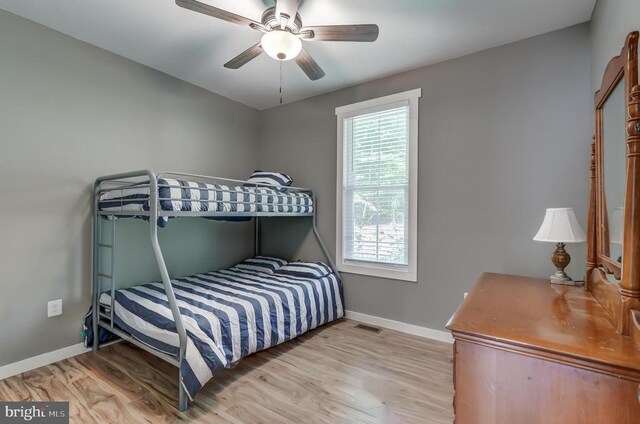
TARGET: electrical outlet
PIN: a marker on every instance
(54, 308)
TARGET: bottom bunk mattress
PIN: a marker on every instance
(227, 314)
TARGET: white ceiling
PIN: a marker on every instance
(193, 47)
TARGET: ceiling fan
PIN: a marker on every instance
(283, 32)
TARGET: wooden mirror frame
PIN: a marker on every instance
(620, 300)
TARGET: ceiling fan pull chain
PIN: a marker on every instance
(281, 82)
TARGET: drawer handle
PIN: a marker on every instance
(638, 392)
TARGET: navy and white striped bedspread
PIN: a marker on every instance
(228, 315)
(181, 195)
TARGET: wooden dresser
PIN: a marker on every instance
(529, 352)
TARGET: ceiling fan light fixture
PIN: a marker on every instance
(281, 44)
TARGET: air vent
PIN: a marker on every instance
(369, 328)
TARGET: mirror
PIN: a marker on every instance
(614, 160)
(613, 265)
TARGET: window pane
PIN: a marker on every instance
(375, 187)
(376, 147)
(377, 230)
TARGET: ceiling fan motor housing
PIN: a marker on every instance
(269, 20)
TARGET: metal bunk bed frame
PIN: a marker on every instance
(105, 319)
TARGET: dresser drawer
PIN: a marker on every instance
(497, 386)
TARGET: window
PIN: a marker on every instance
(378, 187)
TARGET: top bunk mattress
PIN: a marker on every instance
(189, 196)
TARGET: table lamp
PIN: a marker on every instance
(560, 226)
(616, 224)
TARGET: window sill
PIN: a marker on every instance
(379, 271)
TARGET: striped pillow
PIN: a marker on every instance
(262, 264)
(271, 178)
(305, 269)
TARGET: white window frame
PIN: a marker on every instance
(410, 272)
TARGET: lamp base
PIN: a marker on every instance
(561, 277)
(561, 259)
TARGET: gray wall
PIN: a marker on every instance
(504, 134)
(611, 21)
(70, 112)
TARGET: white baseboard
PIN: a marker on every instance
(32, 363)
(429, 333)
(41, 360)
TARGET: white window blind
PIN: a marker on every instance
(376, 186)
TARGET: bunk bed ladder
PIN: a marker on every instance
(101, 274)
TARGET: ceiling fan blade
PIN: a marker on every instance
(206, 9)
(363, 33)
(309, 66)
(288, 8)
(244, 57)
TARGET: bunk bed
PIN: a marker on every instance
(205, 322)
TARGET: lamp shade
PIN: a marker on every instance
(560, 225)
(615, 226)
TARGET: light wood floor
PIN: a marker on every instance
(335, 374)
